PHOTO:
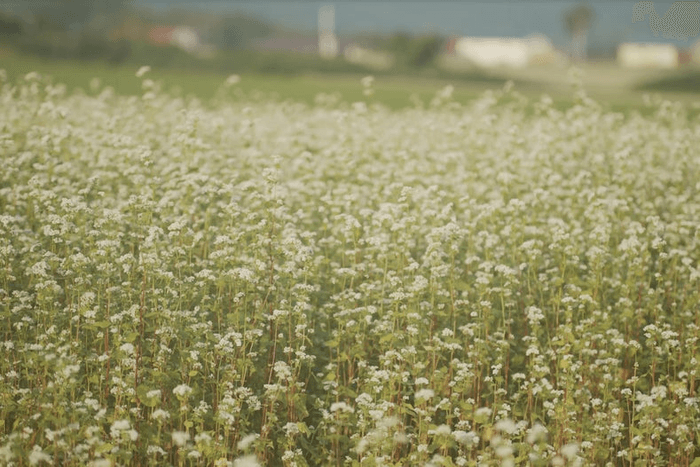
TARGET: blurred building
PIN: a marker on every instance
(541, 51)
(647, 55)
(160, 35)
(184, 37)
(489, 52)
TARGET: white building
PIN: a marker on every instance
(640, 55)
(186, 38)
(488, 52)
(541, 51)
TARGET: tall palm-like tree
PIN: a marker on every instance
(578, 22)
(681, 21)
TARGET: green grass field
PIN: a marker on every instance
(393, 92)
(615, 89)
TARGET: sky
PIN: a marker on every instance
(613, 22)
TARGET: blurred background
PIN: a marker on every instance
(297, 49)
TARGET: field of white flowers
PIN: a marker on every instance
(255, 282)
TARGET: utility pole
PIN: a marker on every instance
(327, 41)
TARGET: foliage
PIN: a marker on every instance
(276, 283)
(86, 46)
(413, 51)
(241, 61)
(579, 18)
(10, 26)
(686, 81)
(236, 31)
(62, 14)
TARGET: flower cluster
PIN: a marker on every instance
(253, 282)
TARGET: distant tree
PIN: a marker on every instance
(120, 51)
(415, 52)
(399, 43)
(424, 50)
(236, 31)
(73, 28)
(681, 20)
(10, 26)
(578, 22)
(69, 13)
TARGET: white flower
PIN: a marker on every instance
(6, 454)
(464, 437)
(503, 450)
(160, 415)
(536, 434)
(424, 394)
(569, 450)
(142, 71)
(100, 463)
(342, 407)
(38, 455)
(246, 461)
(182, 391)
(443, 430)
(558, 461)
(118, 426)
(291, 428)
(387, 422)
(506, 425)
(246, 441)
(180, 438)
(151, 450)
(202, 438)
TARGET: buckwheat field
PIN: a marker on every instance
(256, 282)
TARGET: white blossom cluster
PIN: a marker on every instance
(254, 282)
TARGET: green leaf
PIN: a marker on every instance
(142, 392)
(347, 391)
(303, 428)
(149, 402)
(131, 337)
(386, 338)
(104, 448)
